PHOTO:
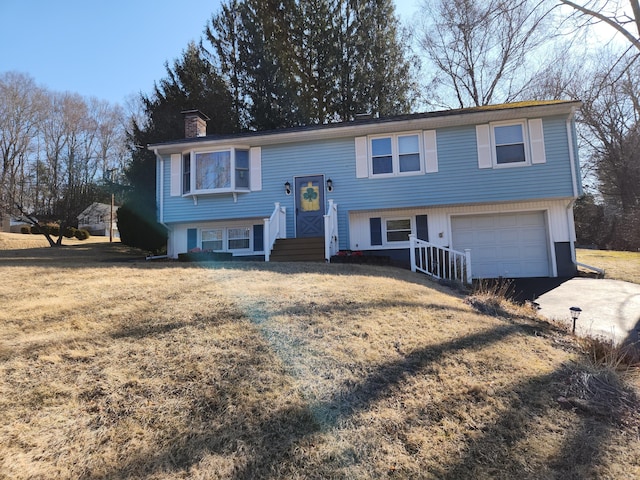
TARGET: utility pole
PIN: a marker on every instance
(110, 172)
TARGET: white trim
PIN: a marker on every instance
(525, 144)
(176, 175)
(483, 143)
(430, 151)
(255, 169)
(362, 157)
(536, 140)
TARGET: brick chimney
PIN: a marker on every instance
(195, 123)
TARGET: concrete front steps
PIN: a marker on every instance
(298, 250)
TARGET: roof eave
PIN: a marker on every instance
(378, 126)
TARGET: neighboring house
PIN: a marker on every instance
(95, 219)
(498, 181)
(5, 223)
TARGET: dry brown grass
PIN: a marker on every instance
(618, 265)
(112, 367)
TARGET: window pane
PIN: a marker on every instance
(186, 173)
(242, 169)
(212, 239)
(382, 165)
(408, 144)
(410, 163)
(213, 170)
(380, 147)
(508, 134)
(398, 236)
(239, 238)
(404, 224)
(510, 154)
(242, 159)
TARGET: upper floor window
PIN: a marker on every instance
(509, 144)
(396, 154)
(224, 170)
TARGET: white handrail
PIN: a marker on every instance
(331, 231)
(439, 262)
(274, 227)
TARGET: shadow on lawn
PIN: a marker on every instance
(272, 440)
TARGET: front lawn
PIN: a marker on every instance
(617, 265)
(112, 367)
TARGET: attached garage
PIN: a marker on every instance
(512, 245)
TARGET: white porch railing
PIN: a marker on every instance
(331, 231)
(440, 262)
(274, 227)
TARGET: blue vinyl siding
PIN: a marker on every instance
(458, 180)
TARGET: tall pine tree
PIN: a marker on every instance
(191, 83)
(301, 62)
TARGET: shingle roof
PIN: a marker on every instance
(373, 121)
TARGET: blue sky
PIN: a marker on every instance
(108, 49)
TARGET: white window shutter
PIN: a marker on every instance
(430, 151)
(176, 174)
(362, 158)
(255, 169)
(483, 136)
(536, 137)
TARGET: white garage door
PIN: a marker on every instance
(510, 245)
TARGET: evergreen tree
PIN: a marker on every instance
(191, 83)
(301, 62)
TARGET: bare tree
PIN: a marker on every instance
(483, 52)
(611, 13)
(21, 110)
(55, 149)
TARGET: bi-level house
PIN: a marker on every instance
(488, 190)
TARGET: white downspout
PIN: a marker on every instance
(160, 186)
(572, 158)
(574, 180)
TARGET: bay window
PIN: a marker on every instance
(217, 171)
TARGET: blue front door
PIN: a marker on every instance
(310, 206)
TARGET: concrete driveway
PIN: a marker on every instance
(610, 308)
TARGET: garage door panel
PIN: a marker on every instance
(511, 253)
(485, 237)
(508, 236)
(504, 245)
(506, 221)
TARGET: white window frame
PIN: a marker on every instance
(395, 154)
(525, 140)
(226, 238)
(193, 169)
(400, 243)
(229, 239)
